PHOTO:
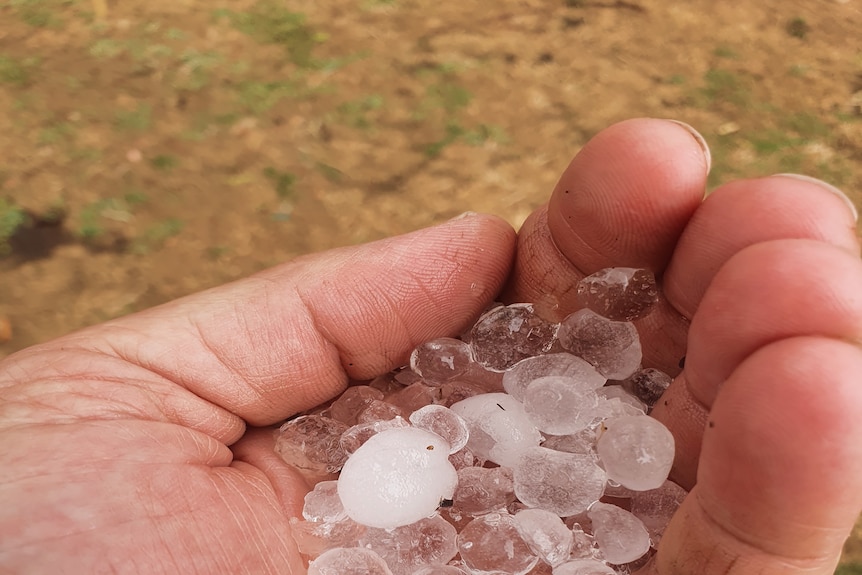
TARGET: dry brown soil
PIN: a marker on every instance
(152, 149)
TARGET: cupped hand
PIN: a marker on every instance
(134, 446)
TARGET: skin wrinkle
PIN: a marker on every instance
(744, 538)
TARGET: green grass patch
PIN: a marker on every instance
(195, 69)
(797, 27)
(447, 95)
(138, 120)
(484, 133)
(12, 218)
(94, 219)
(106, 48)
(56, 133)
(725, 86)
(155, 236)
(798, 71)
(355, 113)
(258, 97)
(331, 173)
(39, 13)
(849, 569)
(215, 253)
(269, 22)
(164, 162)
(16, 72)
(725, 52)
(283, 182)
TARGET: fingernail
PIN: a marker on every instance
(828, 187)
(463, 216)
(700, 140)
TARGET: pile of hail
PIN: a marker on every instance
(525, 447)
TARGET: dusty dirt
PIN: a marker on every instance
(154, 149)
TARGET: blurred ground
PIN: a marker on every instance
(154, 149)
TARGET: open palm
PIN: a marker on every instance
(134, 446)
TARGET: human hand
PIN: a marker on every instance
(127, 446)
(768, 410)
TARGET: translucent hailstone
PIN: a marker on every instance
(379, 410)
(396, 478)
(614, 407)
(636, 451)
(441, 360)
(311, 443)
(505, 335)
(482, 490)
(444, 422)
(323, 504)
(583, 442)
(500, 429)
(348, 406)
(546, 535)
(349, 561)
(620, 294)
(429, 540)
(555, 405)
(648, 385)
(656, 507)
(357, 435)
(618, 392)
(491, 544)
(439, 570)
(455, 391)
(621, 536)
(414, 396)
(583, 567)
(519, 376)
(612, 347)
(314, 537)
(583, 544)
(563, 483)
(463, 458)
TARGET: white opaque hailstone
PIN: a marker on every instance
(349, 561)
(621, 537)
(396, 478)
(519, 376)
(636, 451)
(612, 347)
(558, 407)
(500, 429)
(583, 567)
(546, 534)
(445, 423)
(562, 483)
(323, 504)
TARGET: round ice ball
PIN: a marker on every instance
(396, 478)
(636, 451)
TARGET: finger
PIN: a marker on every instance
(747, 212)
(257, 449)
(765, 293)
(622, 201)
(289, 338)
(780, 481)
